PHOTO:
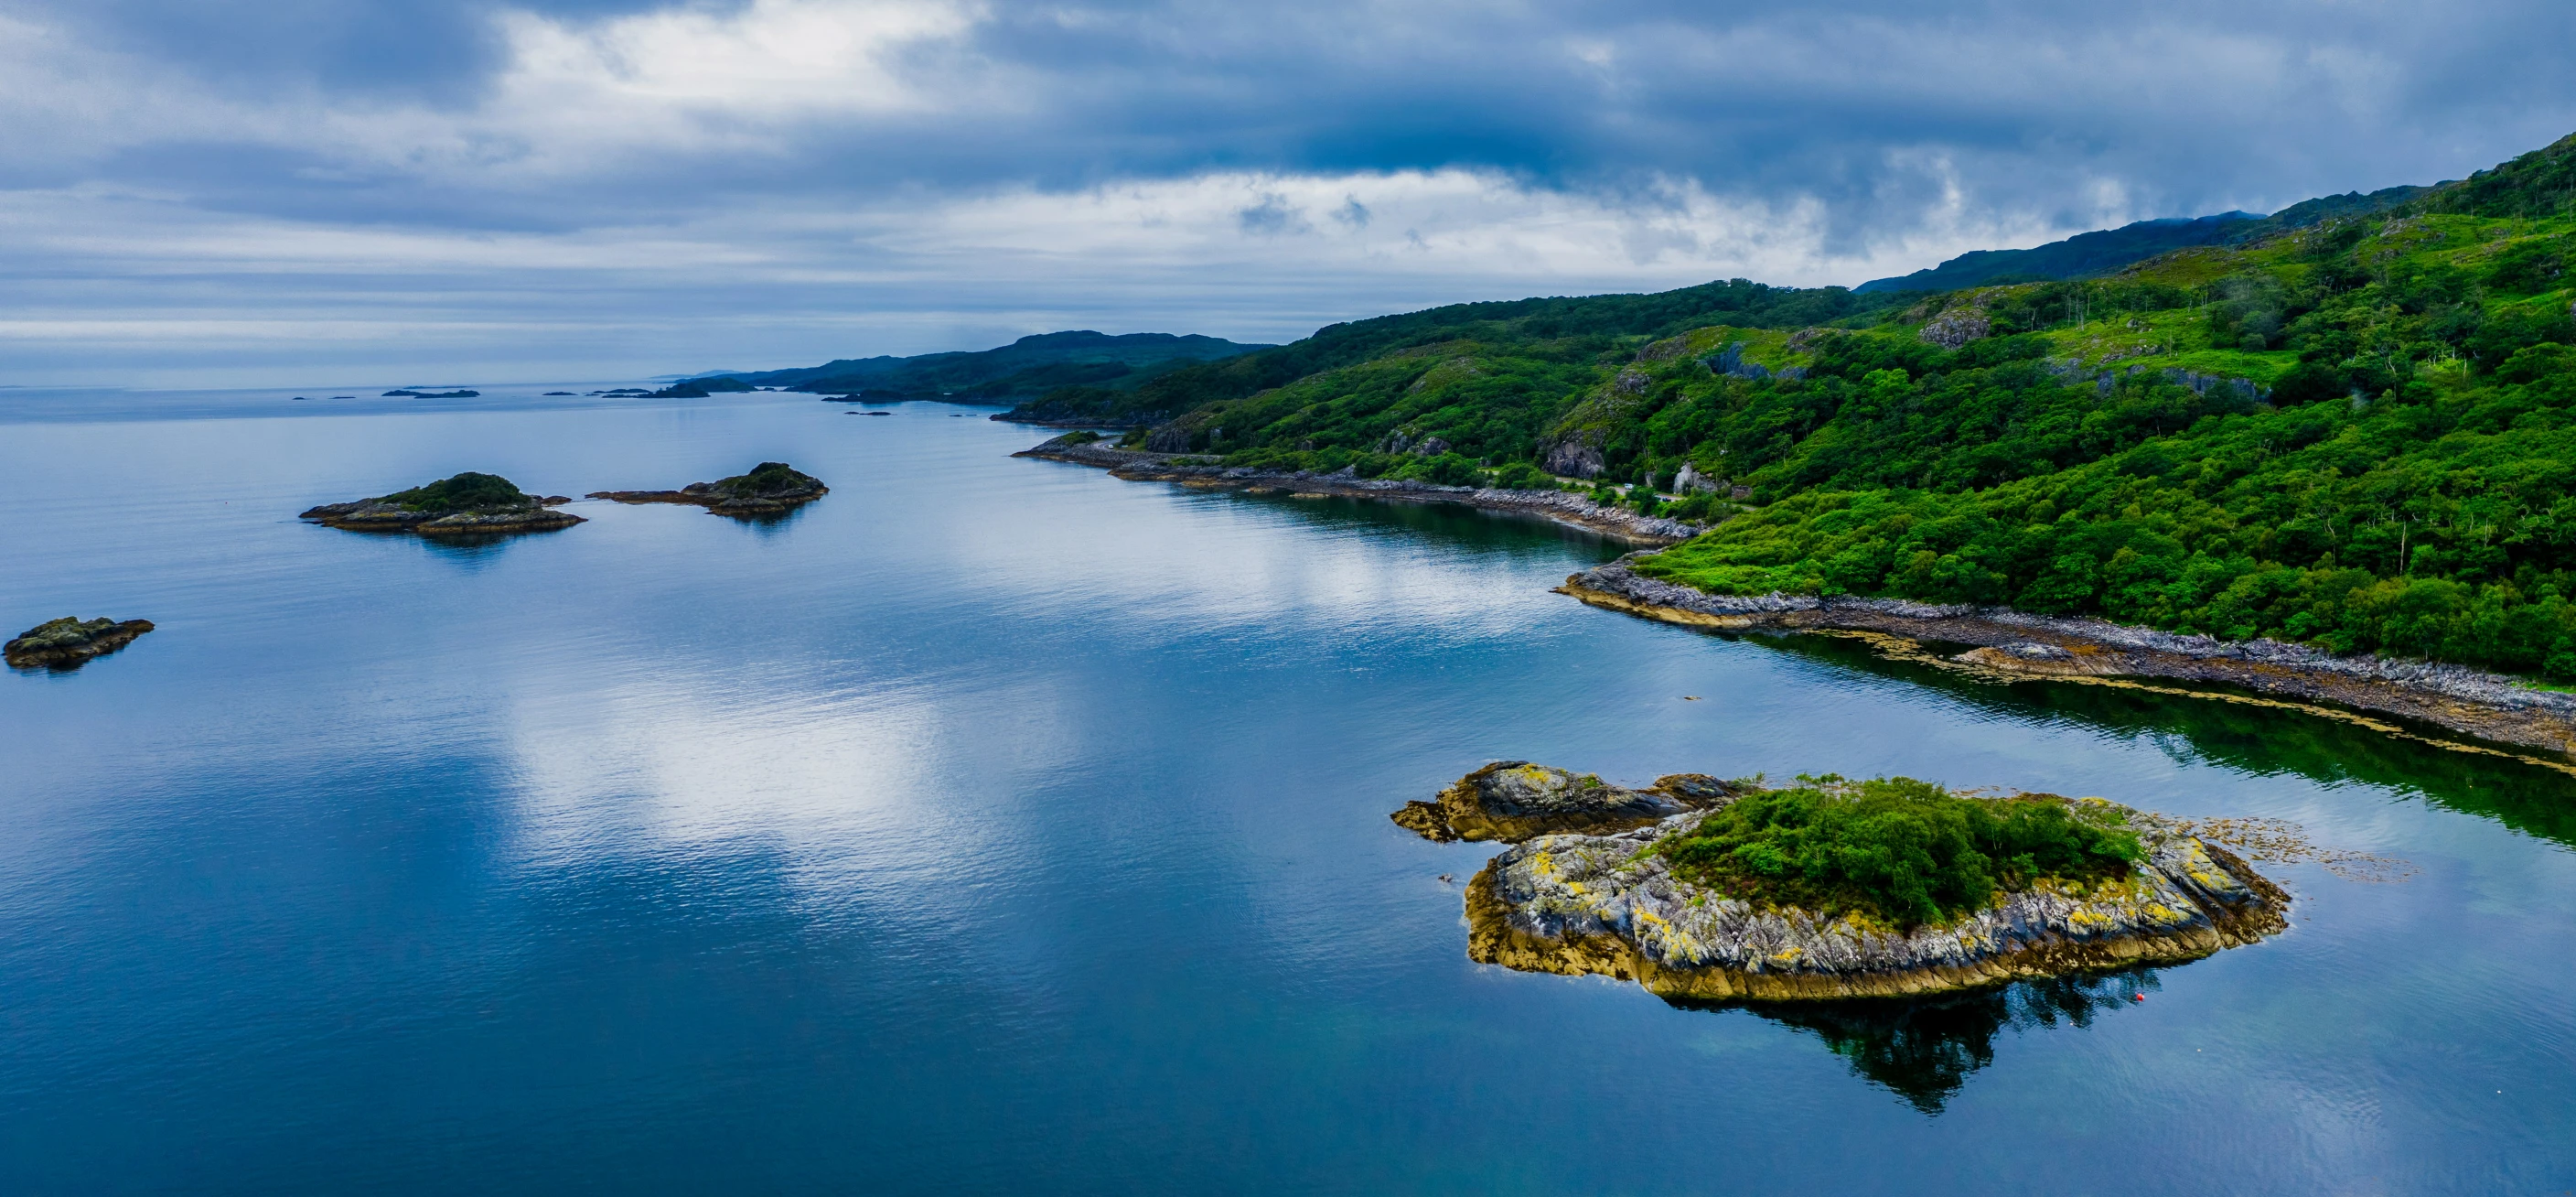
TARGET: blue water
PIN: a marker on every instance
(994, 825)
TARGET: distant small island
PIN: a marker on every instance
(770, 488)
(1831, 888)
(431, 394)
(69, 642)
(468, 504)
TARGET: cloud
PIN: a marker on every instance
(1085, 163)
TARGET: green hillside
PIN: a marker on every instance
(2355, 433)
(1032, 365)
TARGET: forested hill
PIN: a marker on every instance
(2356, 433)
(2078, 256)
(1557, 330)
(1032, 365)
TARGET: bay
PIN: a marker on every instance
(995, 824)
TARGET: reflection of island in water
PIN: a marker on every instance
(1925, 1049)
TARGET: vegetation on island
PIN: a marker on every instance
(2347, 426)
(470, 493)
(768, 478)
(1894, 849)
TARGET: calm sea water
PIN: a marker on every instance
(994, 825)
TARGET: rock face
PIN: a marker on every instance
(770, 488)
(1956, 327)
(1575, 457)
(1577, 904)
(1514, 800)
(467, 504)
(69, 642)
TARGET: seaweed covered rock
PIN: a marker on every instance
(70, 642)
(467, 504)
(1514, 800)
(1638, 905)
(769, 488)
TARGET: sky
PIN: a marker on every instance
(202, 193)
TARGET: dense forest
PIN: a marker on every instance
(2351, 430)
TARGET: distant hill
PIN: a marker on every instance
(1032, 365)
(2077, 256)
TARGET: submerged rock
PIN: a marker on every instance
(70, 642)
(467, 504)
(1514, 800)
(769, 488)
(1610, 904)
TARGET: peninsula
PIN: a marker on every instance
(770, 488)
(467, 504)
(69, 642)
(1571, 508)
(1832, 888)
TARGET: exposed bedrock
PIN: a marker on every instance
(1606, 904)
(1514, 800)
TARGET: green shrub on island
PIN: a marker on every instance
(1894, 849)
(769, 477)
(467, 492)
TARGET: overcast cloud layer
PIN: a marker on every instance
(219, 192)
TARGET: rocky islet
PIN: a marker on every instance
(770, 488)
(467, 504)
(70, 642)
(1611, 903)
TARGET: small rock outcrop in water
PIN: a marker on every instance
(69, 642)
(1614, 904)
(1514, 800)
(768, 489)
(467, 504)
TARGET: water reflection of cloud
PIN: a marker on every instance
(1241, 563)
(845, 792)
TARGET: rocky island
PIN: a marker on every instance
(770, 488)
(69, 642)
(1830, 888)
(1513, 801)
(468, 504)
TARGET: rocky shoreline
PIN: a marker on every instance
(2017, 644)
(1588, 904)
(69, 642)
(1580, 903)
(1563, 507)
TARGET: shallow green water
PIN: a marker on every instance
(996, 825)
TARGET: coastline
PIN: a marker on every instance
(1563, 507)
(2015, 645)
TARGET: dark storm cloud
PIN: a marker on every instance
(2184, 104)
(1806, 143)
